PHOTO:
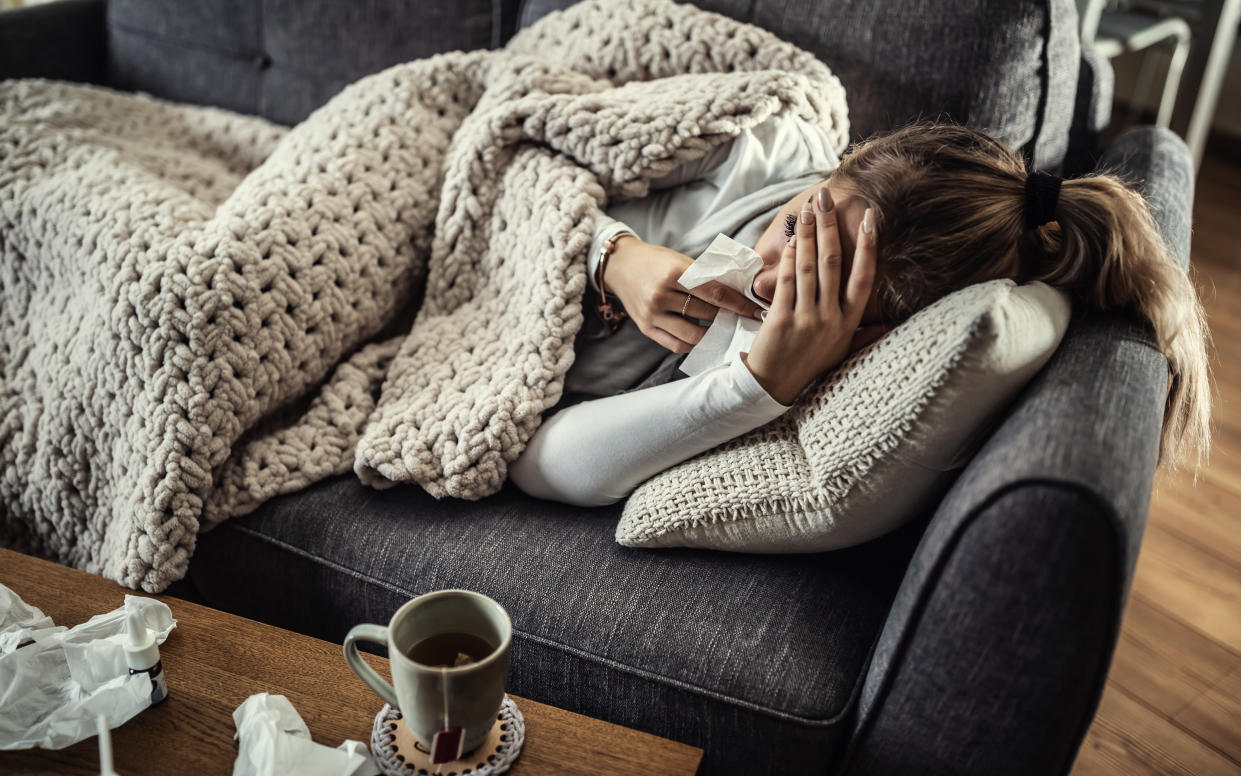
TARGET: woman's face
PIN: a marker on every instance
(849, 211)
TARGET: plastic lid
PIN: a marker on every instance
(141, 651)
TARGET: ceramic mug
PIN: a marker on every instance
(434, 699)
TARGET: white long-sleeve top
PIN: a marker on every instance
(597, 452)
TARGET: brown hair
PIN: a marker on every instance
(949, 205)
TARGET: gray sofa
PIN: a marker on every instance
(975, 640)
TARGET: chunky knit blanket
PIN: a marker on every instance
(201, 310)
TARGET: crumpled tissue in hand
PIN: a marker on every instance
(54, 681)
(273, 740)
(734, 265)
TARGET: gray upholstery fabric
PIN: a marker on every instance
(755, 658)
(1010, 68)
(1024, 713)
(61, 40)
(1072, 463)
(1092, 112)
(1065, 481)
(1158, 162)
(1006, 67)
(283, 58)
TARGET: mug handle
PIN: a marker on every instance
(379, 635)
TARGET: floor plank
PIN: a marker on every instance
(1200, 589)
(1205, 513)
(1128, 738)
(1215, 716)
(1164, 663)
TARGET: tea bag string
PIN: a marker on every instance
(444, 693)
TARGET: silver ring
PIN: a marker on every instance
(685, 305)
(762, 315)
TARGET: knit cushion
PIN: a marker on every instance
(871, 445)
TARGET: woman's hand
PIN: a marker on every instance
(809, 328)
(644, 277)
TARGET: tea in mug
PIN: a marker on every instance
(450, 650)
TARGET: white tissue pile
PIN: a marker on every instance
(55, 680)
(272, 739)
(734, 265)
(58, 685)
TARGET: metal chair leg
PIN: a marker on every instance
(1172, 84)
(1152, 58)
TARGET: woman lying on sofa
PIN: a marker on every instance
(902, 221)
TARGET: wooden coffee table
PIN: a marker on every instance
(214, 661)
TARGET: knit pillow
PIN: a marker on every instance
(871, 446)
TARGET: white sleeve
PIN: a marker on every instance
(598, 452)
(606, 228)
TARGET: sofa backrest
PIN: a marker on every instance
(1008, 67)
(283, 58)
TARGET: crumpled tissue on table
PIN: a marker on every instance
(272, 739)
(55, 680)
(734, 265)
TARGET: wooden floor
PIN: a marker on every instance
(1173, 698)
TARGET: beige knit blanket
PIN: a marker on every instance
(201, 310)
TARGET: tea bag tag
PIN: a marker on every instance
(446, 745)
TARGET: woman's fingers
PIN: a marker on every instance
(807, 259)
(786, 280)
(830, 254)
(667, 341)
(685, 331)
(686, 305)
(716, 295)
(862, 273)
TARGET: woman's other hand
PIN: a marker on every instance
(644, 277)
(810, 327)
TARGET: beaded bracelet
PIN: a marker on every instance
(612, 315)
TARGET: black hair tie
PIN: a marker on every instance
(1042, 194)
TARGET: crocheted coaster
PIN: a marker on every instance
(398, 753)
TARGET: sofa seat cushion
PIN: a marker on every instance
(757, 655)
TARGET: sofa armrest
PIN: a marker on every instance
(997, 645)
(1159, 164)
(64, 40)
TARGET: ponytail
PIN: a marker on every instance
(1104, 248)
(953, 208)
